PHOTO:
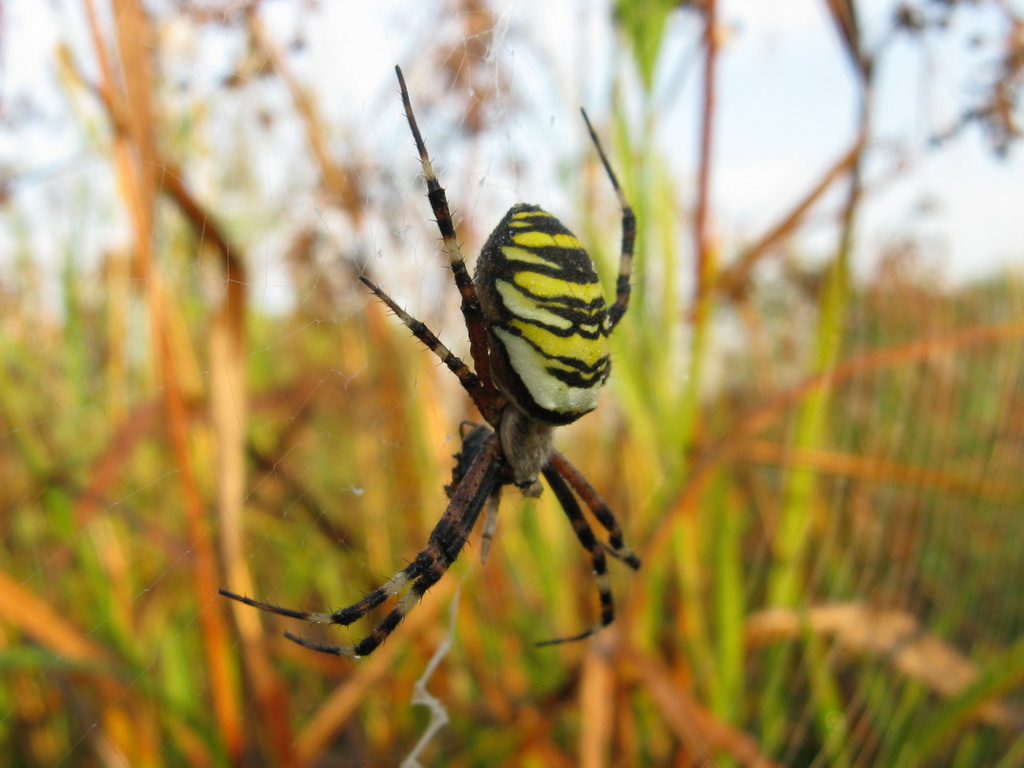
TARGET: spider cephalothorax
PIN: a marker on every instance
(538, 331)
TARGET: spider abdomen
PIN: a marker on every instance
(546, 314)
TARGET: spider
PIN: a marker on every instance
(538, 331)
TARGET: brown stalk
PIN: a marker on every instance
(229, 415)
(22, 608)
(763, 369)
(597, 700)
(129, 730)
(535, 723)
(106, 470)
(205, 575)
(228, 412)
(340, 184)
(875, 470)
(700, 731)
(135, 147)
(844, 16)
(705, 265)
(732, 281)
(118, 286)
(755, 422)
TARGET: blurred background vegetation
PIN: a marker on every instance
(822, 473)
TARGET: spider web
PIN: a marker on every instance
(821, 476)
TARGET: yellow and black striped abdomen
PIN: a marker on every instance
(546, 314)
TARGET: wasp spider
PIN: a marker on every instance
(538, 335)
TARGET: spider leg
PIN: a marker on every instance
(589, 541)
(469, 380)
(443, 547)
(345, 616)
(471, 311)
(473, 437)
(490, 523)
(616, 544)
(618, 309)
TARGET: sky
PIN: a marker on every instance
(786, 106)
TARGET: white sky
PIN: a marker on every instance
(786, 111)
